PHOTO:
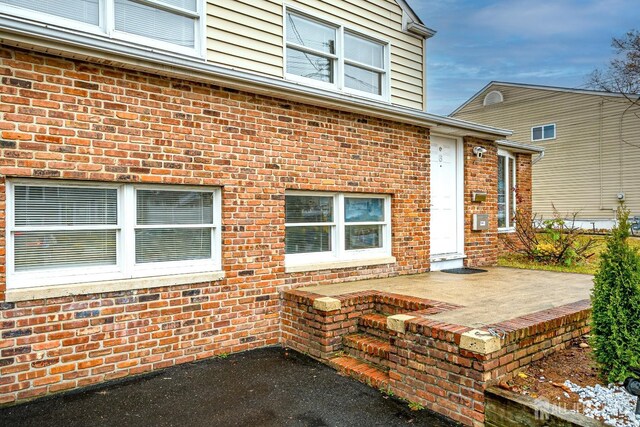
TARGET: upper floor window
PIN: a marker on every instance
(540, 133)
(64, 232)
(493, 97)
(506, 190)
(334, 57)
(172, 25)
(333, 227)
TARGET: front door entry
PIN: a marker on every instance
(444, 196)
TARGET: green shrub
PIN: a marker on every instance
(615, 329)
(554, 241)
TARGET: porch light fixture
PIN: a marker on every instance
(479, 151)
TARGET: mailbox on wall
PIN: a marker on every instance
(480, 222)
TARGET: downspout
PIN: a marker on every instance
(537, 159)
(424, 74)
(600, 154)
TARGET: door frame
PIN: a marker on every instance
(459, 197)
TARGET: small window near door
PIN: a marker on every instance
(506, 191)
(544, 132)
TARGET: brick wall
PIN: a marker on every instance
(67, 119)
(426, 363)
(73, 120)
(481, 174)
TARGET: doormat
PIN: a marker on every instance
(464, 270)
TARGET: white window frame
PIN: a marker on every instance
(338, 231)
(338, 58)
(510, 187)
(541, 127)
(125, 267)
(106, 26)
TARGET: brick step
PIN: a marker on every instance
(361, 371)
(368, 348)
(374, 324)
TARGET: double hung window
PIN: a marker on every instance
(328, 227)
(335, 57)
(172, 25)
(68, 233)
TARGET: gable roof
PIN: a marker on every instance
(538, 87)
(415, 24)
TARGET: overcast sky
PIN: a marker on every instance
(548, 42)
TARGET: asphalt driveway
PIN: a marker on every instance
(267, 387)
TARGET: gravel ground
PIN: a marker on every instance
(612, 404)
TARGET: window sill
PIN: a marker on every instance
(26, 294)
(329, 265)
(506, 230)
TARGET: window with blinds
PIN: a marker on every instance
(336, 226)
(165, 24)
(67, 233)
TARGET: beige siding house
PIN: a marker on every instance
(591, 141)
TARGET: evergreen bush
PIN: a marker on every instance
(615, 329)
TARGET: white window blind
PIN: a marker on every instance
(64, 227)
(155, 22)
(172, 25)
(87, 11)
(66, 233)
(173, 225)
(506, 190)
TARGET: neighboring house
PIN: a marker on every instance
(168, 168)
(591, 144)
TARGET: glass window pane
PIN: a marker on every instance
(174, 207)
(86, 11)
(36, 250)
(358, 209)
(65, 206)
(549, 132)
(537, 133)
(301, 240)
(310, 66)
(502, 192)
(363, 237)
(136, 18)
(364, 51)
(166, 244)
(311, 34)
(512, 190)
(363, 80)
(301, 209)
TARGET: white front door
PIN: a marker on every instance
(444, 197)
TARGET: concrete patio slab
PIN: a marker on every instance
(498, 295)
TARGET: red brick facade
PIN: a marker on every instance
(72, 120)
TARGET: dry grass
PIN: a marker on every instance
(588, 267)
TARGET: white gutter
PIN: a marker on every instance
(519, 147)
(14, 31)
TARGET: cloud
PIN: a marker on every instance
(549, 42)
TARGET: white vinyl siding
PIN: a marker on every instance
(249, 35)
(171, 25)
(64, 232)
(326, 227)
